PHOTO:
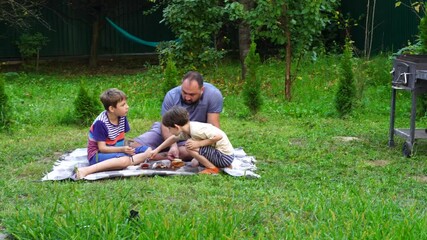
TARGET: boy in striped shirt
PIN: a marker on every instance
(106, 140)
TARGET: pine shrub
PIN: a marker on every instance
(170, 75)
(5, 115)
(422, 27)
(252, 86)
(86, 107)
(346, 94)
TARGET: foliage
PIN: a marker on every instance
(5, 110)
(345, 96)
(423, 33)
(420, 46)
(170, 75)
(252, 87)
(196, 24)
(30, 45)
(295, 24)
(417, 7)
(304, 19)
(19, 14)
(86, 108)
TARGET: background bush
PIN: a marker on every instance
(170, 77)
(252, 87)
(5, 110)
(86, 107)
(345, 96)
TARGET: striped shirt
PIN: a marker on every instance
(103, 130)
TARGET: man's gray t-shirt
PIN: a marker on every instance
(211, 101)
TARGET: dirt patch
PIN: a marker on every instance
(296, 142)
(346, 139)
(421, 179)
(378, 163)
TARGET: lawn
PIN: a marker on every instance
(322, 177)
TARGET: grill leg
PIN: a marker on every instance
(392, 116)
(413, 117)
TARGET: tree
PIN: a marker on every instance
(97, 10)
(245, 36)
(369, 27)
(86, 107)
(20, 13)
(346, 94)
(196, 24)
(252, 87)
(293, 24)
(170, 75)
(29, 46)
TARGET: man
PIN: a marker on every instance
(203, 102)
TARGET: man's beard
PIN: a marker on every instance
(189, 102)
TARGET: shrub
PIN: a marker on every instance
(422, 27)
(252, 87)
(170, 75)
(86, 108)
(29, 46)
(5, 118)
(196, 24)
(346, 94)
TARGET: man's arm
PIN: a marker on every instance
(213, 118)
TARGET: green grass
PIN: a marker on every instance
(314, 185)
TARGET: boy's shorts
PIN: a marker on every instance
(100, 157)
(216, 157)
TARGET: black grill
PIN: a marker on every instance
(409, 73)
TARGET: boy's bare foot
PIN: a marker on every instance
(80, 173)
(194, 162)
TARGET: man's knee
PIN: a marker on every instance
(135, 144)
(185, 154)
(149, 139)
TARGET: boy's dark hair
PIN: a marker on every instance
(175, 115)
(194, 76)
(111, 97)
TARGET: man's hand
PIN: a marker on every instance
(173, 152)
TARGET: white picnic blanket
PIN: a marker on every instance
(243, 165)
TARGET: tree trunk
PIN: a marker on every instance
(93, 58)
(244, 37)
(244, 45)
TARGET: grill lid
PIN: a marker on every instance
(413, 58)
